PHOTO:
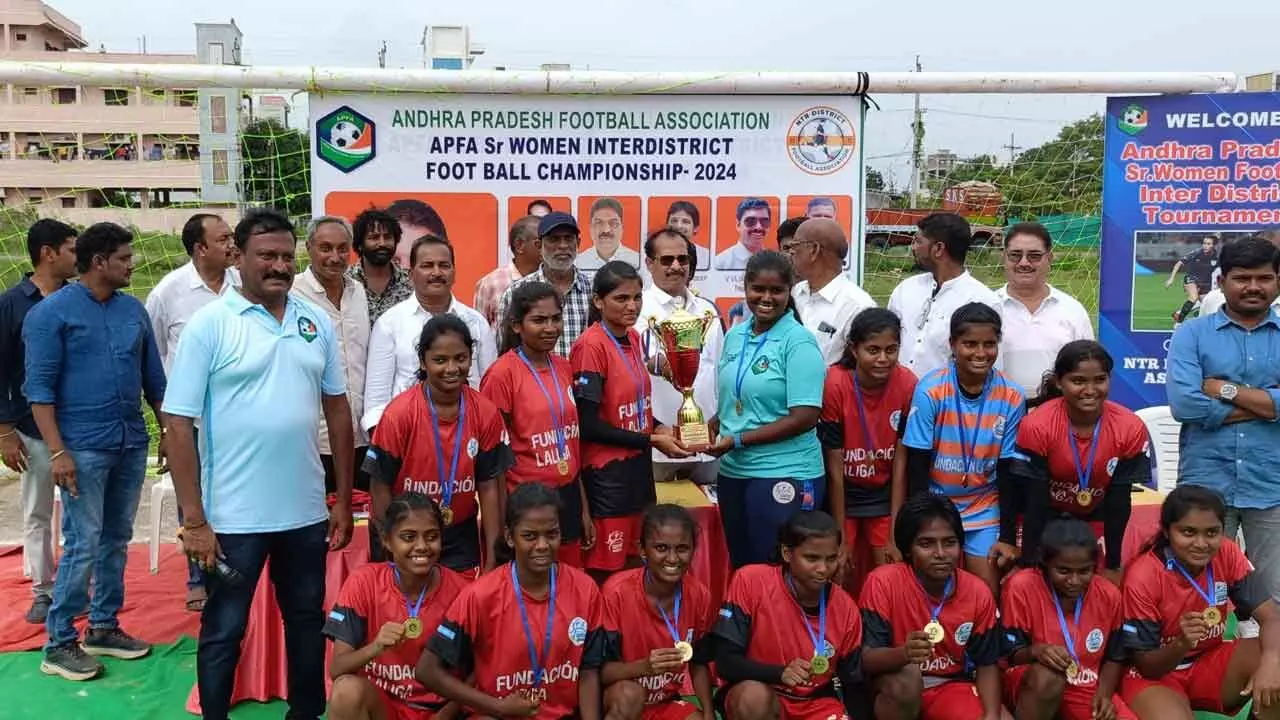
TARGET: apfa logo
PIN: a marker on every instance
(1132, 119)
(345, 139)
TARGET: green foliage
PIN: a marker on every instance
(276, 166)
(875, 180)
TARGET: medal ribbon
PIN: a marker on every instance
(1083, 475)
(635, 368)
(446, 494)
(1208, 595)
(672, 621)
(557, 418)
(935, 611)
(416, 607)
(742, 369)
(536, 663)
(1062, 621)
(819, 638)
(968, 451)
(862, 415)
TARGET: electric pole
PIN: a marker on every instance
(382, 55)
(917, 147)
(1012, 148)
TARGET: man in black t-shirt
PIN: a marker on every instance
(1198, 266)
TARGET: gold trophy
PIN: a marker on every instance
(682, 335)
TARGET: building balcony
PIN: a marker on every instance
(142, 174)
(85, 118)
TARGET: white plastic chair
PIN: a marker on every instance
(161, 490)
(1164, 431)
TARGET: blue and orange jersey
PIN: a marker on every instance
(968, 437)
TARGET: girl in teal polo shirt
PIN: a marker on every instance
(770, 380)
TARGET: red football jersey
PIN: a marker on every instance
(866, 466)
(894, 604)
(1156, 596)
(405, 440)
(535, 436)
(599, 368)
(1029, 617)
(633, 627)
(761, 614)
(483, 633)
(369, 599)
(1121, 437)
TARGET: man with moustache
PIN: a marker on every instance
(559, 235)
(253, 366)
(526, 255)
(826, 300)
(1213, 302)
(376, 236)
(605, 225)
(670, 258)
(1222, 388)
(821, 207)
(754, 218)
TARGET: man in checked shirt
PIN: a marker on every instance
(560, 238)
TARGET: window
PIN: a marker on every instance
(21, 37)
(69, 202)
(116, 96)
(218, 113)
(220, 170)
(184, 98)
(154, 96)
(64, 96)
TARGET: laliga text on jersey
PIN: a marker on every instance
(860, 463)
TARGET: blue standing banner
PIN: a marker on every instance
(1184, 175)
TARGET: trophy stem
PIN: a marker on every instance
(692, 423)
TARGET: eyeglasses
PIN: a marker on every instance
(753, 222)
(924, 316)
(669, 260)
(1016, 256)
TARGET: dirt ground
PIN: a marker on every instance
(11, 512)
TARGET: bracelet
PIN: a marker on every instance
(195, 526)
(57, 455)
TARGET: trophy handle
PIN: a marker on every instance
(708, 317)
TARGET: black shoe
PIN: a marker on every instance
(115, 643)
(39, 611)
(71, 662)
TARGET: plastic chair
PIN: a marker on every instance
(1164, 431)
(161, 490)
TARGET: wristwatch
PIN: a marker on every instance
(1228, 392)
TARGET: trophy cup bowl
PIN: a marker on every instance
(682, 336)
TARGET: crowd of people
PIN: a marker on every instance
(917, 501)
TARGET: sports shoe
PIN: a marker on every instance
(71, 662)
(114, 643)
(39, 611)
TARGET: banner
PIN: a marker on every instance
(1184, 175)
(734, 165)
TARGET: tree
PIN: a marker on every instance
(276, 166)
(875, 180)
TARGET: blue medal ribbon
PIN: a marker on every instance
(672, 621)
(416, 607)
(557, 418)
(1210, 596)
(862, 415)
(1083, 475)
(742, 369)
(446, 494)
(936, 610)
(635, 369)
(536, 663)
(819, 638)
(1062, 621)
(968, 451)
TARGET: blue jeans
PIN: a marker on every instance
(754, 510)
(98, 526)
(297, 573)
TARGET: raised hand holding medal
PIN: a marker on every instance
(557, 418)
(820, 663)
(1212, 615)
(1083, 475)
(672, 622)
(1073, 668)
(448, 481)
(412, 626)
(934, 628)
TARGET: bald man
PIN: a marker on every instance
(826, 299)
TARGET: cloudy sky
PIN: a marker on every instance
(710, 35)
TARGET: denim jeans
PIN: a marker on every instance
(752, 512)
(297, 572)
(97, 525)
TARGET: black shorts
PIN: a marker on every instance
(1204, 286)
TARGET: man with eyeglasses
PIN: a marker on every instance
(826, 300)
(670, 258)
(605, 227)
(925, 301)
(754, 220)
(1038, 318)
(559, 235)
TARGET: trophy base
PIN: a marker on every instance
(694, 434)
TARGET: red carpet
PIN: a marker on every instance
(154, 605)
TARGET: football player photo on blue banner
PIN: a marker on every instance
(1184, 175)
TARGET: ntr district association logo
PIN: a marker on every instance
(821, 140)
(345, 139)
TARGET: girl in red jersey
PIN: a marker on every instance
(1064, 631)
(383, 617)
(932, 640)
(611, 386)
(533, 389)
(656, 622)
(866, 398)
(1175, 602)
(444, 440)
(528, 633)
(1084, 453)
(786, 632)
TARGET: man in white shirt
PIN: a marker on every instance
(826, 299)
(754, 219)
(1214, 300)
(210, 244)
(326, 285)
(671, 258)
(393, 344)
(605, 226)
(1038, 318)
(926, 301)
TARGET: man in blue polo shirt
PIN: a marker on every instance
(254, 365)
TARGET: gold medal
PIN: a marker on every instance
(413, 628)
(446, 512)
(1212, 616)
(563, 467)
(686, 651)
(935, 632)
(738, 406)
(1073, 671)
(1084, 497)
(819, 664)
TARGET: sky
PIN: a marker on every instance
(751, 35)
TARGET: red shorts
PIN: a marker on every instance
(1077, 702)
(616, 539)
(397, 710)
(1201, 683)
(951, 699)
(671, 710)
(570, 553)
(819, 708)
(873, 531)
